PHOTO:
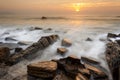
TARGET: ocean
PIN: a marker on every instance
(77, 29)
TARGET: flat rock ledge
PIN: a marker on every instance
(41, 44)
(70, 68)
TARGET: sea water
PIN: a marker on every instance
(77, 29)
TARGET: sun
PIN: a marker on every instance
(76, 6)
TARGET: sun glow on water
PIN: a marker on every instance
(77, 6)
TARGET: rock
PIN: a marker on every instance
(50, 38)
(44, 42)
(23, 77)
(81, 77)
(6, 33)
(31, 50)
(45, 69)
(43, 17)
(84, 71)
(61, 51)
(110, 35)
(66, 42)
(118, 35)
(70, 65)
(118, 41)
(10, 39)
(3, 70)
(113, 59)
(25, 42)
(37, 28)
(4, 54)
(62, 76)
(18, 50)
(89, 39)
(9, 45)
(49, 29)
(102, 39)
(69, 68)
(89, 60)
(96, 70)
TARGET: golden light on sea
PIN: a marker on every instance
(76, 6)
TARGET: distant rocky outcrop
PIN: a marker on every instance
(69, 68)
(43, 17)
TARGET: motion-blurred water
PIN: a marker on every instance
(76, 29)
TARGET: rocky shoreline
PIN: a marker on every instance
(68, 68)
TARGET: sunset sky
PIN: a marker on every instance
(61, 7)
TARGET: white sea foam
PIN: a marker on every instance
(76, 31)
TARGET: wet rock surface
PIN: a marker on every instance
(10, 39)
(113, 57)
(89, 39)
(24, 42)
(40, 45)
(3, 70)
(42, 69)
(66, 42)
(61, 51)
(71, 68)
(4, 54)
(18, 49)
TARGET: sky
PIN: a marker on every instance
(60, 7)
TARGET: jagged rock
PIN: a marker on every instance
(61, 51)
(81, 77)
(113, 59)
(51, 38)
(70, 65)
(44, 42)
(25, 42)
(89, 60)
(4, 54)
(118, 35)
(84, 71)
(10, 39)
(89, 39)
(18, 50)
(61, 76)
(3, 70)
(9, 45)
(118, 41)
(69, 68)
(45, 69)
(96, 71)
(110, 35)
(66, 42)
(41, 44)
